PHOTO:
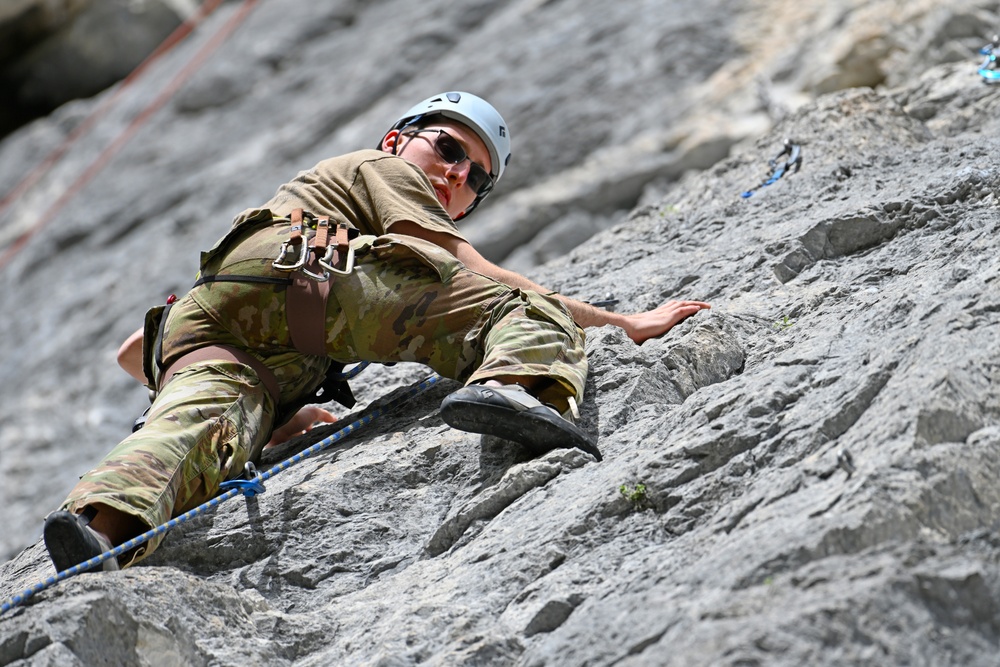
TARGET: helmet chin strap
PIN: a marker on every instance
(399, 133)
(395, 143)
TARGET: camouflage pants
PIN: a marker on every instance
(406, 300)
(209, 420)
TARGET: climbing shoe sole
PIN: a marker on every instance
(486, 410)
(70, 542)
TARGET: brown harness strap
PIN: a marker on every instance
(305, 305)
(225, 353)
(343, 236)
(305, 309)
(296, 231)
(305, 300)
(322, 238)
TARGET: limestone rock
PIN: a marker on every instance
(818, 453)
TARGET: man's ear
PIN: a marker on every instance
(389, 141)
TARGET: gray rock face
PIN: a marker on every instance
(54, 52)
(806, 474)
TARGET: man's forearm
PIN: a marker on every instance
(584, 314)
(638, 326)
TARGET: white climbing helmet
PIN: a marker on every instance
(476, 113)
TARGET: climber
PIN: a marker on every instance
(357, 259)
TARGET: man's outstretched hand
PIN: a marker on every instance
(303, 421)
(652, 323)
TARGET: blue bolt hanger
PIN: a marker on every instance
(989, 70)
(779, 167)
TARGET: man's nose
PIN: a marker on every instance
(460, 172)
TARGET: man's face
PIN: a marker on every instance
(448, 180)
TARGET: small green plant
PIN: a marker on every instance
(783, 323)
(635, 495)
(669, 209)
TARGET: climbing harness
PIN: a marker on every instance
(295, 251)
(779, 168)
(226, 353)
(989, 70)
(310, 263)
(308, 290)
(310, 259)
(248, 487)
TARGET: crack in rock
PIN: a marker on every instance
(518, 481)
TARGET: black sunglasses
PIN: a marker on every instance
(478, 180)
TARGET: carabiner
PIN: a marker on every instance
(280, 265)
(343, 238)
(315, 276)
(327, 261)
(250, 485)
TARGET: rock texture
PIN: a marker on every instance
(54, 51)
(818, 454)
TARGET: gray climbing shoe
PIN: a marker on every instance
(511, 413)
(70, 542)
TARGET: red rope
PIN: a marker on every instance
(105, 156)
(43, 167)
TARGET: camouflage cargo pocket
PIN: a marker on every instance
(407, 250)
(548, 308)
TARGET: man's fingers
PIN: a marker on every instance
(684, 312)
(304, 420)
(698, 304)
(322, 416)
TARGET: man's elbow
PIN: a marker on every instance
(130, 356)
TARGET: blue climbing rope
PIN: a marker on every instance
(246, 487)
(354, 372)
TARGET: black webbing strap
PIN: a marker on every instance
(234, 278)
